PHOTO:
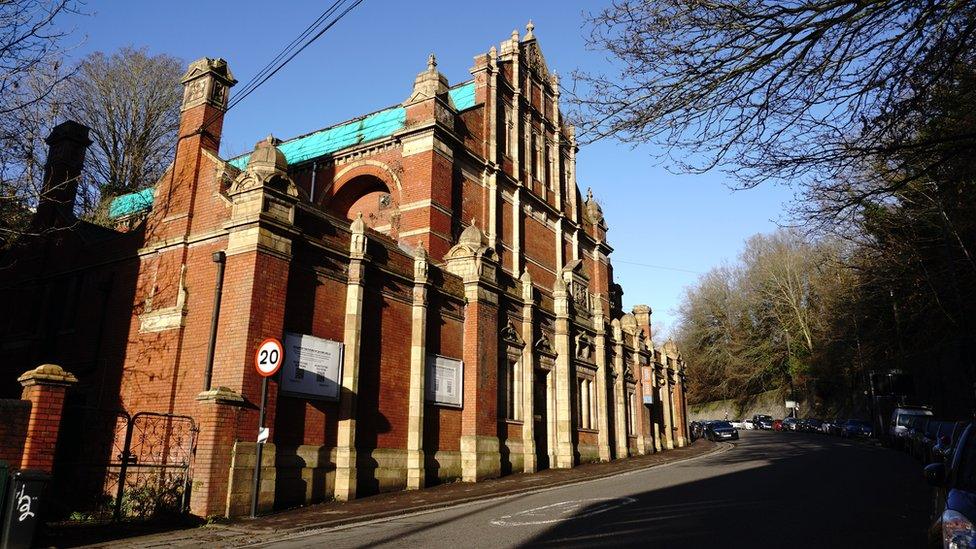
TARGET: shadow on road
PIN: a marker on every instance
(773, 490)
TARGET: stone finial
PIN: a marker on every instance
(515, 35)
(267, 156)
(642, 309)
(472, 236)
(618, 334)
(47, 374)
(526, 280)
(429, 83)
(357, 243)
(421, 265)
(530, 27)
(493, 52)
(559, 285)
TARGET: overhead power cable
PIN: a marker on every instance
(663, 267)
(309, 35)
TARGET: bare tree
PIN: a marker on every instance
(131, 102)
(31, 53)
(796, 91)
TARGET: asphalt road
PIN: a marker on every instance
(768, 490)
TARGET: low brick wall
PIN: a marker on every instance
(13, 430)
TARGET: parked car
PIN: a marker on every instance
(915, 437)
(762, 422)
(696, 429)
(812, 425)
(853, 428)
(791, 424)
(833, 426)
(955, 485)
(721, 430)
(900, 418)
(944, 447)
(777, 424)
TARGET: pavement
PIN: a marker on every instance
(368, 509)
(766, 490)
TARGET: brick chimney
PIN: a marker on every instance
(67, 145)
(206, 84)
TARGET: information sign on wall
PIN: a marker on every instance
(445, 377)
(312, 367)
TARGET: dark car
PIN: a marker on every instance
(833, 426)
(721, 430)
(812, 425)
(791, 424)
(697, 430)
(762, 422)
(955, 484)
(856, 428)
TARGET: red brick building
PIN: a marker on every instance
(444, 236)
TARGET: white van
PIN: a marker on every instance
(899, 420)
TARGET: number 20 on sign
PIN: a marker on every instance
(267, 358)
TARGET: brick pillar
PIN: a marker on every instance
(529, 458)
(563, 379)
(475, 263)
(345, 480)
(418, 362)
(217, 415)
(259, 247)
(44, 387)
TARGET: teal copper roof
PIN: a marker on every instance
(368, 128)
(128, 204)
(463, 96)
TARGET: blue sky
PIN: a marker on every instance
(368, 61)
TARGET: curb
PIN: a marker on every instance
(361, 520)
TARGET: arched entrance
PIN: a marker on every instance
(371, 196)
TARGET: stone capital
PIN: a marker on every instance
(47, 374)
(221, 395)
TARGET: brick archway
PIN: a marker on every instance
(370, 188)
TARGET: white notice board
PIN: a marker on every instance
(444, 380)
(312, 367)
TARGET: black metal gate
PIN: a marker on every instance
(111, 465)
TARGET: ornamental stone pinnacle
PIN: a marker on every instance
(530, 35)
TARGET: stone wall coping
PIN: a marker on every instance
(47, 374)
(222, 395)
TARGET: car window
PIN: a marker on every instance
(966, 473)
(905, 417)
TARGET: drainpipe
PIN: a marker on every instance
(220, 259)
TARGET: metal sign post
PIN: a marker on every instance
(267, 361)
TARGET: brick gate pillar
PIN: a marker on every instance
(44, 387)
(345, 479)
(218, 411)
(418, 362)
(476, 264)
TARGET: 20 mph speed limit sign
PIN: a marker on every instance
(268, 357)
